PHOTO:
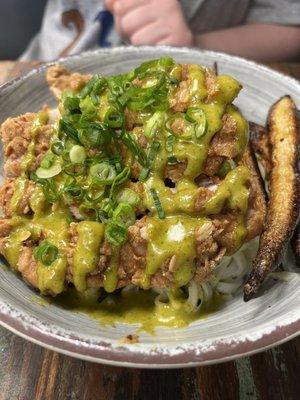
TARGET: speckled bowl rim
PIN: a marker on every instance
(124, 355)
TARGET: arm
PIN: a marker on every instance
(262, 42)
(158, 22)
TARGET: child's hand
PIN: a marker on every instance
(151, 22)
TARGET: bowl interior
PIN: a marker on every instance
(237, 327)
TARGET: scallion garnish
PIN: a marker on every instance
(133, 146)
(49, 187)
(128, 196)
(94, 193)
(50, 172)
(75, 169)
(101, 216)
(144, 174)
(124, 214)
(71, 105)
(153, 124)
(46, 253)
(157, 203)
(77, 154)
(115, 233)
(65, 127)
(47, 161)
(94, 134)
(172, 160)
(120, 178)
(150, 158)
(103, 173)
(197, 116)
(114, 118)
(50, 190)
(57, 147)
(89, 86)
(74, 191)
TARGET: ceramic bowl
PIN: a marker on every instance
(236, 329)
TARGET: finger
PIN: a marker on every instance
(109, 4)
(136, 20)
(150, 34)
(122, 7)
(168, 41)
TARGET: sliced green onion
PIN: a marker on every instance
(98, 87)
(161, 64)
(89, 109)
(226, 167)
(103, 173)
(133, 146)
(94, 134)
(197, 116)
(144, 174)
(120, 178)
(46, 253)
(47, 161)
(67, 128)
(115, 233)
(150, 158)
(94, 193)
(74, 191)
(117, 90)
(172, 160)
(71, 105)
(75, 169)
(66, 155)
(49, 188)
(114, 118)
(87, 210)
(157, 203)
(101, 216)
(153, 152)
(124, 214)
(57, 147)
(170, 143)
(45, 173)
(108, 207)
(77, 154)
(153, 124)
(89, 87)
(128, 196)
(173, 80)
(126, 96)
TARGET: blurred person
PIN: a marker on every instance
(265, 30)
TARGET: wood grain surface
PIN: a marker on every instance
(29, 372)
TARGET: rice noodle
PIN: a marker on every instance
(285, 276)
(227, 279)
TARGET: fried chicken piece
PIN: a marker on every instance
(60, 79)
(224, 142)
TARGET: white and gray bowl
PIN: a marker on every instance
(238, 328)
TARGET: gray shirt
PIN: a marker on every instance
(65, 31)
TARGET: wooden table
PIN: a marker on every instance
(28, 372)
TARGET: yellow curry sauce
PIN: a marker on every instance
(167, 237)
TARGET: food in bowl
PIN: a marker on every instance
(138, 188)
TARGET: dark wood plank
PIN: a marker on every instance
(29, 372)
